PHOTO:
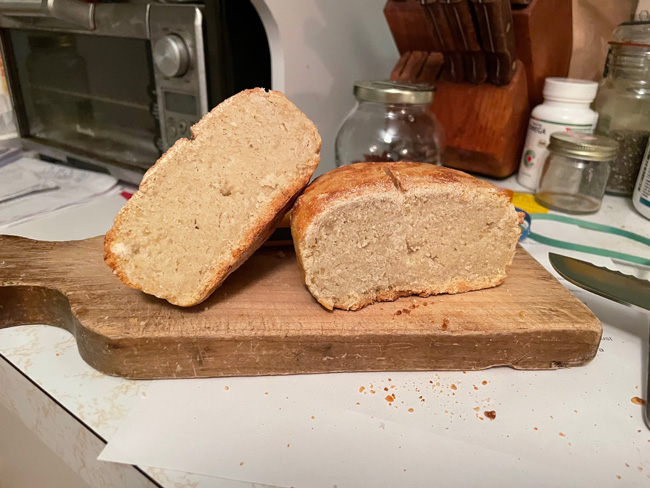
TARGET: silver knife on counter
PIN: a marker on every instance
(614, 285)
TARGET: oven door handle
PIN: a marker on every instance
(80, 14)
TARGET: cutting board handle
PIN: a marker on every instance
(28, 305)
(32, 281)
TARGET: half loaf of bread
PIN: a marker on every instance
(378, 231)
(210, 202)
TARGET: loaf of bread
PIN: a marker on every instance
(210, 202)
(379, 231)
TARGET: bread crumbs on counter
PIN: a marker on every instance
(372, 391)
(522, 314)
(399, 312)
(133, 321)
(226, 388)
(561, 434)
(453, 387)
(266, 392)
(288, 445)
(445, 324)
(637, 401)
(390, 398)
(484, 382)
(312, 417)
(411, 410)
(476, 409)
(242, 463)
(535, 428)
(618, 476)
(491, 414)
(361, 388)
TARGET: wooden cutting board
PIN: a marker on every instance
(263, 321)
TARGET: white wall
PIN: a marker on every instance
(319, 48)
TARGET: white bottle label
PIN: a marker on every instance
(535, 152)
(641, 196)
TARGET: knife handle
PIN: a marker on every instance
(461, 22)
(453, 64)
(494, 20)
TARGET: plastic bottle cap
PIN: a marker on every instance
(570, 89)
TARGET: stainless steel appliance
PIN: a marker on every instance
(113, 85)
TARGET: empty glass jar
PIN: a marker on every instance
(390, 122)
(575, 173)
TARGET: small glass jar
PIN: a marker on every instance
(623, 102)
(576, 171)
(390, 122)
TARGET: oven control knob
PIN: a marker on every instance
(171, 56)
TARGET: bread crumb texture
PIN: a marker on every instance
(209, 202)
(378, 231)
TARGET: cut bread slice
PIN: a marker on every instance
(378, 231)
(210, 202)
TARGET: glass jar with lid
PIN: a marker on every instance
(576, 171)
(390, 122)
(623, 102)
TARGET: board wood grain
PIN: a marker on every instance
(263, 321)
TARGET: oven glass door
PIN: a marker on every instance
(91, 95)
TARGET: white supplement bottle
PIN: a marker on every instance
(641, 195)
(565, 108)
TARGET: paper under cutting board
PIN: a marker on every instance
(263, 321)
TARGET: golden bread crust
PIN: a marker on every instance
(351, 181)
(263, 225)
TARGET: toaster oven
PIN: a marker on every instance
(113, 85)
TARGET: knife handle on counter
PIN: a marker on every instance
(461, 23)
(440, 27)
(494, 19)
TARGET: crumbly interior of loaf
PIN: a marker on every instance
(210, 196)
(426, 241)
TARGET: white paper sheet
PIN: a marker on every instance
(16, 181)
(573, 427)
(30, 188)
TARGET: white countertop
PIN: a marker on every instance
(40, 364)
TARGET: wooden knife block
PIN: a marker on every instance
(485, 125)
(543, 42)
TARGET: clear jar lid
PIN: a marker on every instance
(632, 34)
(583, 146)
(393, 92)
